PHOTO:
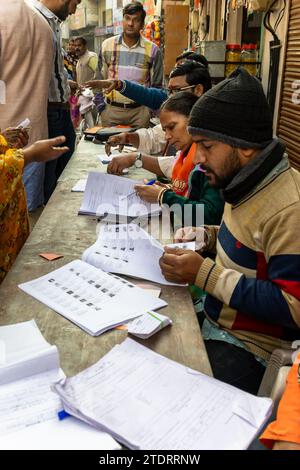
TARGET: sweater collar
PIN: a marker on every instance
(251, 175)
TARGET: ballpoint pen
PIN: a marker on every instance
(147, 184)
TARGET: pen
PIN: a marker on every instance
(62, 415)
(147, 184)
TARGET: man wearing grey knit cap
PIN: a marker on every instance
(253, 286)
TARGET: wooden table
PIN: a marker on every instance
(60, 230)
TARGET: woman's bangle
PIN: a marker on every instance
(161, 195)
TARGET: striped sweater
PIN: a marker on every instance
(254, 283)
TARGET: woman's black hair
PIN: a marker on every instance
(191, 55)
(195, 67)
(181, 103)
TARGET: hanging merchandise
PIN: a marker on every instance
(152, 31)
(251, 5)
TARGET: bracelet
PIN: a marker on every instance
(161, 195)
(208, 238)
(120, 85)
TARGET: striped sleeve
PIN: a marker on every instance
(275, 299)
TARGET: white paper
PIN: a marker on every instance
(150, 288)
(92, 299)
(28, 406)
(106, 194)
(69, 434)
(130, 250)
(28, 401)
(148, 324)
(149, 402)
(79, 186)
(25, 352)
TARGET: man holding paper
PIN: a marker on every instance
(253, 301)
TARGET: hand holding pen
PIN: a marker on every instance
(149, 183)
(148, 192)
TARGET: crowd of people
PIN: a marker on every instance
(214, 148)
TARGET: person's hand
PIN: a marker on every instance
(73, 86)
(106, 85)
(190, 234)
(118, 164)
(16, 138)
(148, 193)
(180, 266)
(283, 445)
(45, 150)
(116, 140)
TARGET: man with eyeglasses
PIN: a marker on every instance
(191, 75)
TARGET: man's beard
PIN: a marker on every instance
(227, 175)
(63, 12)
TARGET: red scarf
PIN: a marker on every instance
(182, 169)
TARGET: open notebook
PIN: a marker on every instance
(115, 196)
(128, 249)
(94, 300)
(147, 401)
(28, 412)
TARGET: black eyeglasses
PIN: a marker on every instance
(172, 91)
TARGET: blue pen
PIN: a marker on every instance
(147, 184)
(62, 415)
(151, 182)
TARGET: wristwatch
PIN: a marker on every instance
(138, 160)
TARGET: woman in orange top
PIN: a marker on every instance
(174, 115)
(14, 225)
(284, 433)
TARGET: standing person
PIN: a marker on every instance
(132, 57)
(70, 59)
(87, 61)
(59, 116)
(190, 75)
(13, 209)
(253, 301)
(26, 56)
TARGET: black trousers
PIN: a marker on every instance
(235, 365)
(59, 123)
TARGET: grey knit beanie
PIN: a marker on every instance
(235, 112)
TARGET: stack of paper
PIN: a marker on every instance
(28, 406)
(114, 195)
(92, 299)
(130, 250)
(148, 324)
(149, 402)
(79, 187)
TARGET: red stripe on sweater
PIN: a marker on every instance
(291, 287)
(247, 323)
(262, 267)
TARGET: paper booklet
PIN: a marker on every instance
(114, 195)
(146, 401)
(28, 411)
(94, 300)
(148, 324)
(128, 249)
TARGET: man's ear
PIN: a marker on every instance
(246, 154)
(199, 90)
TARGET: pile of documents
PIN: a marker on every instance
(94, 300)
(115, 196)
(29, 408)
(147, 401)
